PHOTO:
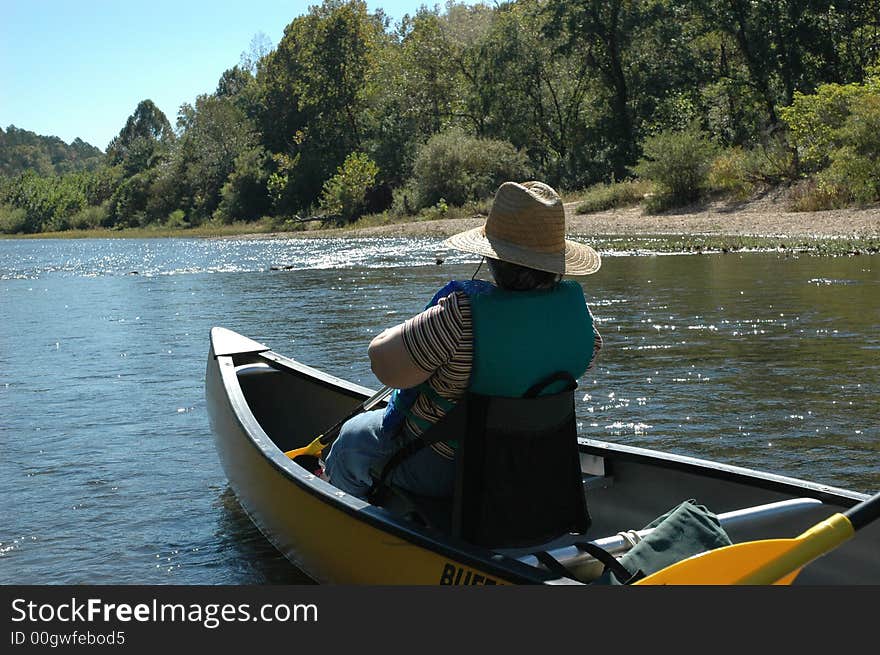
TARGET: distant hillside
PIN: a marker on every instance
(47, 155)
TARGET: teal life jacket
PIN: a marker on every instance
(520, 338)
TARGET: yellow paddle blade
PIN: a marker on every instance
(722, 566)
(314, 449)
(756, 562)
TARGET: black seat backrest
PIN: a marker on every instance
(518, 475)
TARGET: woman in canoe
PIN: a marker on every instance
(495, 339)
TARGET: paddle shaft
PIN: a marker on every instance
(328, 436)
(331, 434)
(864, 513)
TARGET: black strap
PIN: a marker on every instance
(553, 565)
(559, 376)
(611, 564)
(403, 453)
(437, 432)
(623, 574)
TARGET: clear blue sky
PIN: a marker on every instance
(78, 68)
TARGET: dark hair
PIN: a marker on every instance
(514, 277)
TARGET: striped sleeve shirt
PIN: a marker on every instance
(440, 341)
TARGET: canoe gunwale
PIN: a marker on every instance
(720, 471)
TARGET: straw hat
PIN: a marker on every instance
(526, 226)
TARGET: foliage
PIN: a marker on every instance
(738, 172)
(177, 219)
(678, 162)
(451, 101)
(233, 82)
(89, 217)
(215, 132)
(539, 98)
(780, 47)
(316, 89)
(604, 33)
(21, 150)
(144, 136)
(13, 220)
(837, 133)
(457, 168)
(808, 196)
(602, 196)
(344, 194)
(774, 161)
(245, 195)
(402, 200)
(128, 203)
(48, 202)
(730, 173)
(854, 172)
(815, 120)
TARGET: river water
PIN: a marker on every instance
(107, 468)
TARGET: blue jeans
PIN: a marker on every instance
(361, 447)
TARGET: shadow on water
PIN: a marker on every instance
(249, 557)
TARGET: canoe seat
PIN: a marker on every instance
(518, 474)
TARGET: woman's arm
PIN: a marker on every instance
(391, 361)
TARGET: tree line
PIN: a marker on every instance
(349, 114)
(21, 150)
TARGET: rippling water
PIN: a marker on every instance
(107, 466)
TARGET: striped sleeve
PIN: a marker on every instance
(434, 337)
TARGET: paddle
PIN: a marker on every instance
(323, 440)
(770, 561)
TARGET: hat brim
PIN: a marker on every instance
(578, 259)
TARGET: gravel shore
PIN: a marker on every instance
(762, 218)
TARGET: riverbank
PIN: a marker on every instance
(754, 219)
(207, 231)
(758, 224)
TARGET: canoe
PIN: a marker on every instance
(262, 404)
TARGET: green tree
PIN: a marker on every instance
(245, 195)
(214, 133)
(145, 135)
(456, 168)
(678, 162)
(854, 172)
(316, 86)
(790, 46)
(836, 131)
(427, 71)
(21, 150)
(602, 31)
(344, 194)
(415, 93)
(233, 82)
(815, 120)
(539, 96)
(48, 202)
